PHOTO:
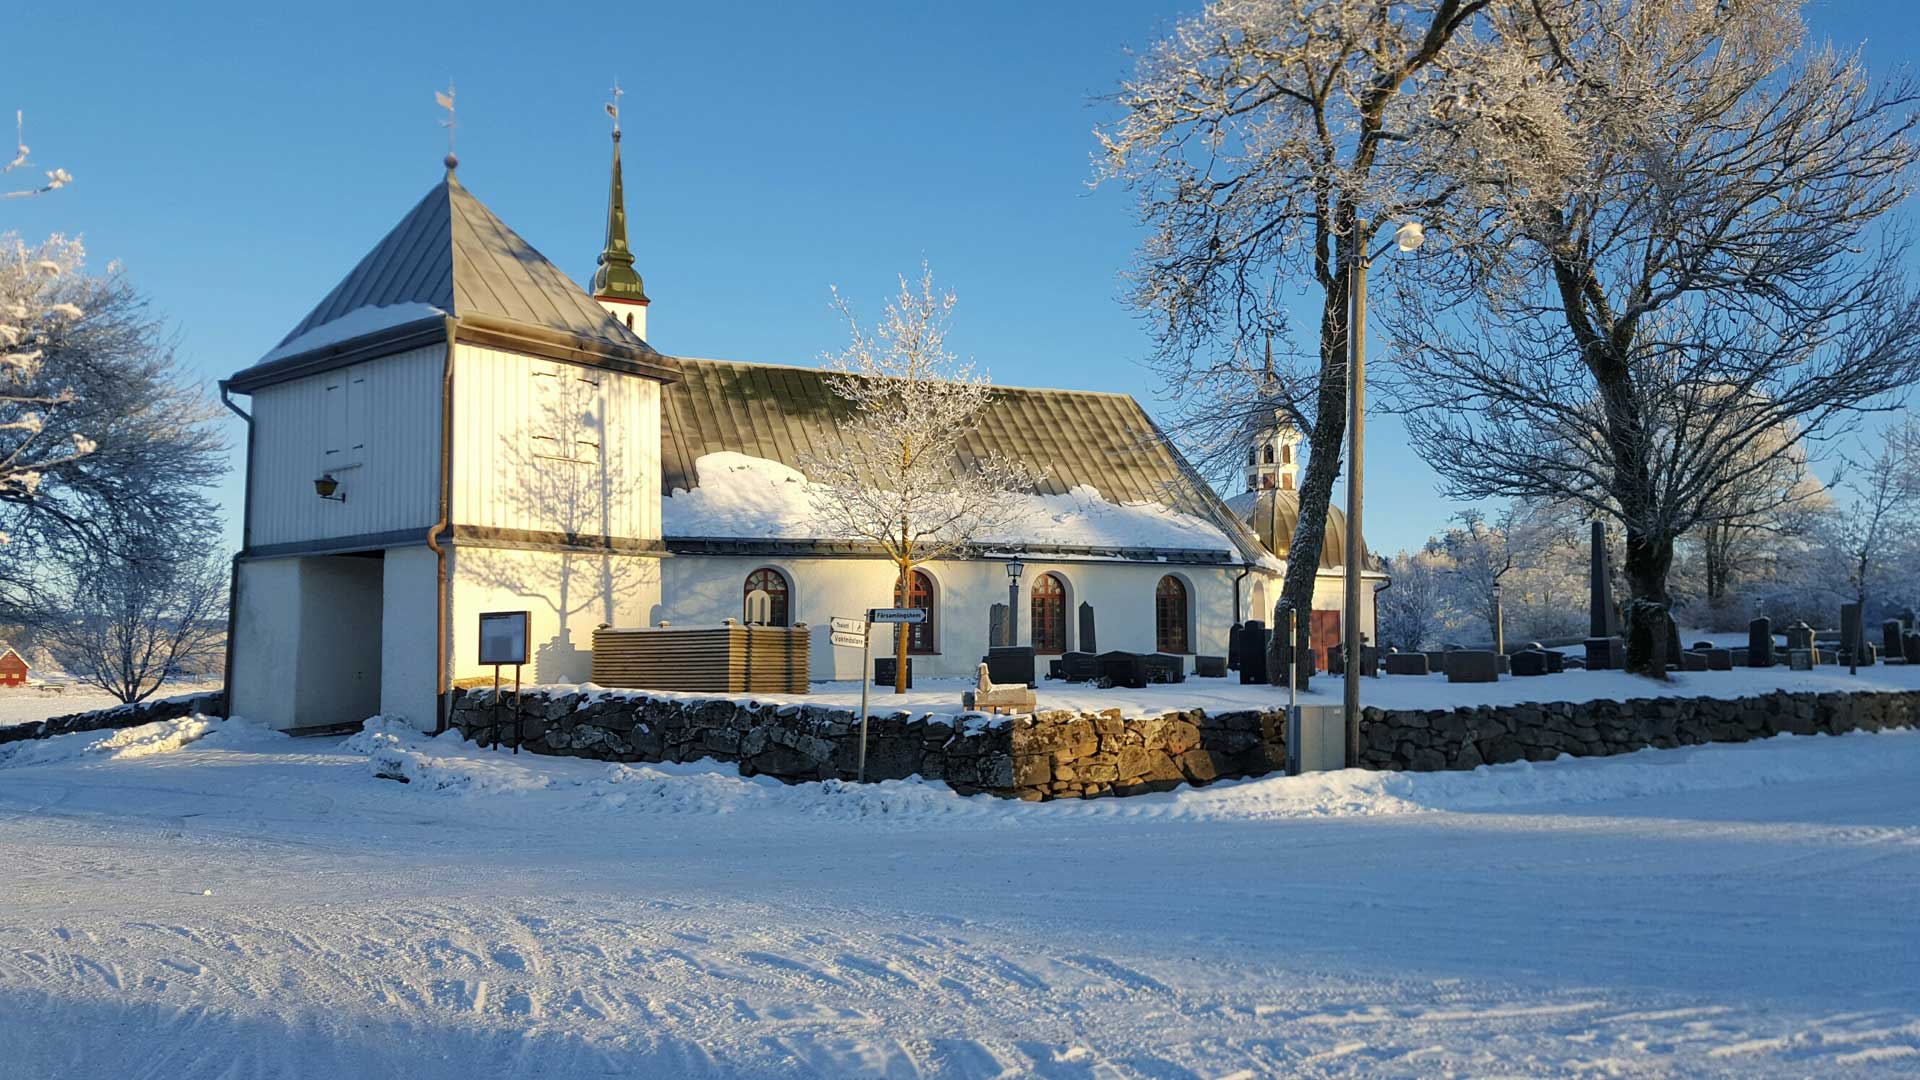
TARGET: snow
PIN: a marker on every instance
(31, 704)
(940, 697)
(356, 323)
(744, 496)
(253, 905)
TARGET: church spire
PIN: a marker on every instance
(616, 279)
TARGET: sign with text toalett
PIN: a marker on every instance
(848, 626)
(897, 615)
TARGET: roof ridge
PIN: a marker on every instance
(826, 371)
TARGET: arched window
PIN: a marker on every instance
(919, 595)
(764, 598)
(1170, 615)
(1286, 454)
(1269, 453)
(1253, 455)
(1049, 615)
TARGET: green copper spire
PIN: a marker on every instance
(616, 278)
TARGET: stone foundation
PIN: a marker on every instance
(211, 703)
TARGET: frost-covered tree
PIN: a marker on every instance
(128, 615)
(899, 480)
(104, 434)
(1685, 254)
(1258, 137)
(56, 178)
(37, 314)
(1876, 525)
(1411, 612)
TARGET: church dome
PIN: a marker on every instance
(1273, 512)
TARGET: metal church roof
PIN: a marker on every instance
(451, 256)
(1071, 437)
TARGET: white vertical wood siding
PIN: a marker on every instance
(388, 460)
(554, 447)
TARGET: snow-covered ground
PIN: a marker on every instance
(31, 704)
(202, 899)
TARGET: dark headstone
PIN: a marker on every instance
(1086, 641)
(1079, 666)
(1166, 668)
(1529, 662)
(1693, 660)
(1010, 664)
(1210, 667)
(1720, 659)
(1906, 619)
(1799, 636)
(1891, 646)
(1121, 668)
(883, 670)
(1233, 647)
(1056, 669)
(1253, 652)
(1437, 660)
(1602, 620)
(1739, 656)
(1801, 659)
(1337, 660)
(1556, 661)
(1701, 646)
(1868, 654)
(1407, 663)
(996, 626)
(1852, 629)
(1910, 646)
(1472, 666)
(1760, 642)
(1606, 654)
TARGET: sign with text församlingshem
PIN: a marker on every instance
(897, 615)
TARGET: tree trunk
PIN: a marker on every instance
(1652, 636)
(1323, 467)
(903, 596)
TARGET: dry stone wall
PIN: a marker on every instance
(211, 703)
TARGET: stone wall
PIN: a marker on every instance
(1054, 754)
(211, 703)
(1462, 738)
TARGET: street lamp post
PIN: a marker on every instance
(1014, 567)
(1407, 238)
(1499, 623)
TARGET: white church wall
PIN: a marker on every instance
(705, 589)
(375, 426)
(266, 642)
(409, 590)
(307, 648)
(551, 447)
(567, 594)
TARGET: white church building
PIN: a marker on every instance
(459, 428)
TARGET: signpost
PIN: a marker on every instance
(503, 640)
(858, 634)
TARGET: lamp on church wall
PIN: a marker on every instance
(326, 485)
(1014, 569)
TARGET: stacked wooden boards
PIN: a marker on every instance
(732, 658)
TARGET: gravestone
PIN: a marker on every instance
(1437, 660)
(1407, 663)
(1605, 650)
(1906, 619)
(1739, 655)
(1911, 647)
(1210, 667)
(1800, 636)
(1892, 646)
(1693, 660)
(1253, 653)
(1010, 664)
(996, 625)
(1760, 642)
(1472, 666)
(1720, 659)
(1120, 668)
(1528, 662)
(883, 671)
(1800, 659)
(1079, 666)
(1233, 646)
(1086, 641)
(1165, 667)
(1852, 630)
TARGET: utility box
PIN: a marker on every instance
(1316, 739)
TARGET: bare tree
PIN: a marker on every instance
(1481, 555)
(56, 178)
(899, 479)
(1882, 512)
(1258, 137)
(1411, 612)
(145, 609)
(1685, 261)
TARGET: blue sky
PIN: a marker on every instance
(238, 159)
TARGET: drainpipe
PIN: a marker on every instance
(1378, 589)
(246, 542)
(1245, 569)
(438, 530)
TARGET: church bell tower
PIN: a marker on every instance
(1273, 459)
(616, 284)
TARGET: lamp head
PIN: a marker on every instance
(1410, 236)
(1015, 567)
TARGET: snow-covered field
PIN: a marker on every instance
(207, 899)
(28, 704)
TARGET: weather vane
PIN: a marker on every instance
(613, 107)
(444, 98)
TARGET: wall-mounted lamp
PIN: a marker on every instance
(326, 486)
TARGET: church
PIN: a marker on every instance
(459, 428)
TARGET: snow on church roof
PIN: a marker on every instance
(1108, 477)
(449, 255)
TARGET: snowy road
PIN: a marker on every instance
(247, 905)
